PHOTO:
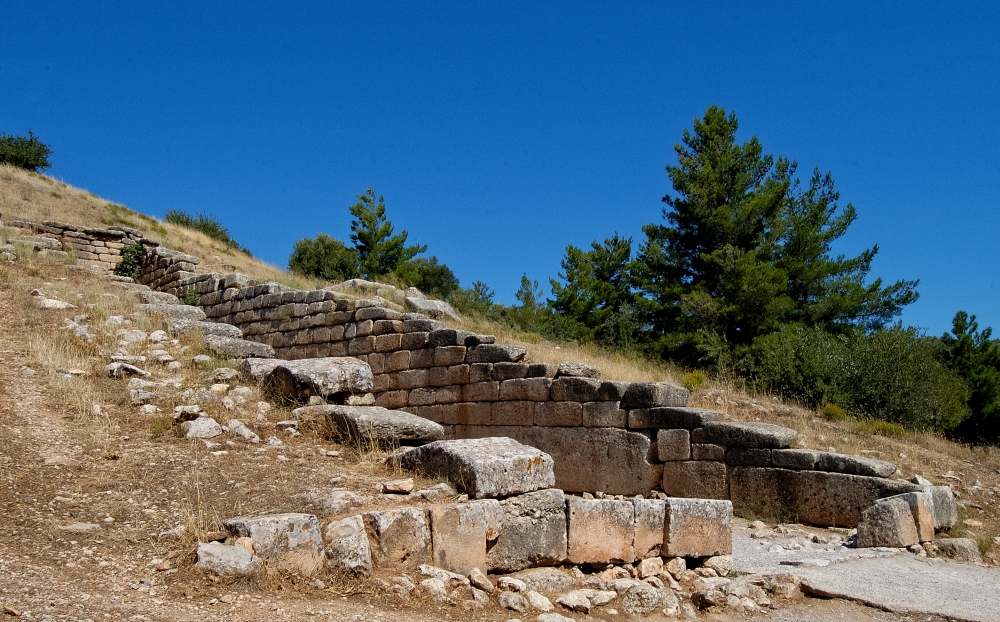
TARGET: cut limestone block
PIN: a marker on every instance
(653, 394)
(695, 479)
(258, 368)
(173, 312)
(227, 561)
(887, 523)
(733, 434)
(324, 377)
(291, 542)
(458, 536)
(922, 507)
(673, 445)
(945, 507)
(748, 456)
(668, 417)
(601, 531)
(577, 370)
(401, 538)
(347, 545)
(191, 327)
(814, 497)
(697, 528)
(620, 462)
(237, 348)
(812, 460)
(533, 532)
(495, 353)
(484, 467)
(373, 423)
(649, 517)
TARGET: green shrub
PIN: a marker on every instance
(694, 380)
(807, 364)
(429, 276)
(877, 427)
(209, 225)
(191, 297)
(326, 258)
(131, 261)
(24, 152)
(833, 412)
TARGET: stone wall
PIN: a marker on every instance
(96, 247)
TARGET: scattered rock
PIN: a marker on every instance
(202, 427)
(511, 584)
(964, 550)
(118, 369)
(548, 580)
(479, 579)
(721, 564)
(240, 429)
(513, 601)
(347, 545)
(81, 528)
(537, 601)
(291, 542)
(227, 560)
(398, 486)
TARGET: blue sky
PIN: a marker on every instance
(501, 132)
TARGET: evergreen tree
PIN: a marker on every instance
(379, 251)
(975, 358)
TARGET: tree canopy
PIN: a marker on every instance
(379, 251)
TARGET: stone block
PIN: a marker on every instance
(227, 560)
(475, 413)
(507, 371)
(481, 372)
(541, 370)
(572, 389)
(695, 479)
(534, 389)
(413, 341)
(374, 423)
(813, 497)
(448, 395)
(449, 355)
(612, 390)
(323, 377)
(481, 392)
(361, 345)
(735, 434)
(495, 353)
(400, 538)
(575, 369)
(945, 508)
(650, 515)
(558, 414)
(673, 445)
(386, 327)
(388, 343)
(445, 337)
(484, 467)
(748, 456)
(443, 376)
(671, 417)
(887, 523)
(288, 542)
(795, 459)
(458, 536)
(697, 528)
(653, 394)
(854, 465)
(347, 546)
(533, 532)
(421, 397)
(600, 531)
(376, 362)
(397, 361)
(513, 413)
(420, 359)
(922, 508)
(364, 328)
(236, 348)
(604, 415)
(422, 325)
(701, 451)
(409, 379)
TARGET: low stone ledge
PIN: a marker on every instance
(671, 417)
(653, 394)
(600, 531)
(735, 434)
(813, 460)
(533, 532)
(373, 423)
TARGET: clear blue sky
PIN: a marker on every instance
(499, 132)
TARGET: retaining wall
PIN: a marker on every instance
(97, 247)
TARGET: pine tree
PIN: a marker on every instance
(975, 358)
(379, 251)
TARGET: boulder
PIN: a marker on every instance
(653, 394)
(226, 560)
(963, 550)
(258, 368)
(237, 348)
(374, 423)
(194, 327)
(484, 467)
(202, 427)
(401, 538)
(347, 545)
(733, 434)
(533, 532)
(601, 531)
(697, 528)
(299, 380)
(640, 599)
(289, 542)
(889, 522)
(435, 309)
(173, 311)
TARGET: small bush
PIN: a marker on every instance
(160, 426)
(324, 257)
(877, 427)
(833, 412)
(191, 297)
(24, 152)
(429, 276)
(209, 225)
(131, 261)
(694, 380)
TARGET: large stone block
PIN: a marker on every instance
(814, 497)
(227, 560)
(734, 434)
(289, 542)
(812, 460)
(697, 528)
(513, 413)
(191, 327)
(748, 456)
(558, 414)
(604, 415)
(653, 394)
(236, 348)
(601, 531)
(945, 508)
(324, 377)
(401, 538)
(173, 311)
(495, 353)
(922, 508)
(373, 423)
(649, 520)
(533, 532)
(574, 389)
(458, 536)
(673, 445)
(484, 467)
(347, 546)
(887, 523)
(696, 479)
(533, 389)
(671, 417)
(620, 462)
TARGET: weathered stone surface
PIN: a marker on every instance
(704, 451)
(538, 602)
(291, 542)
(227, 561)
(649, 518)
(436, 309)
(667, 417)
(573, 389)
(604, 415)
(240, 429)
(172, 311)
(653, 394)
(889, 522)
(697, 528)
(192, 327)
(458, 536)
(810, 459)
(963, 550)
(813, 497)
(945, 507)
(651, 565)
(618, 461)
(640, 599)
(577, 370)
(922, 508)
(202, 427)
(374, 423)
(601, 531)
(513, 601)
(258, 368)
(324, 377)
(237, 348)
(547, 580)
(748, 456)
(400, 538)
(734, 434)
(347, 546)
(484, 467)
(533, 532)
(495, 353)
(696, 479)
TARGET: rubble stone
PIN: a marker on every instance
(291, 542)
(227, 560)
(347, 546)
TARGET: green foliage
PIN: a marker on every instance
(877, 427)
(429, 276)
(379, 251)
(24, 152)
(833, 412)
(209, 225)
(477, 301)
(694, 380)
(191, 297)
(324, 257)
(130, 264)
(975, 358)
(807, 364)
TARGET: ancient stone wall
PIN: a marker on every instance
(97, 247)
